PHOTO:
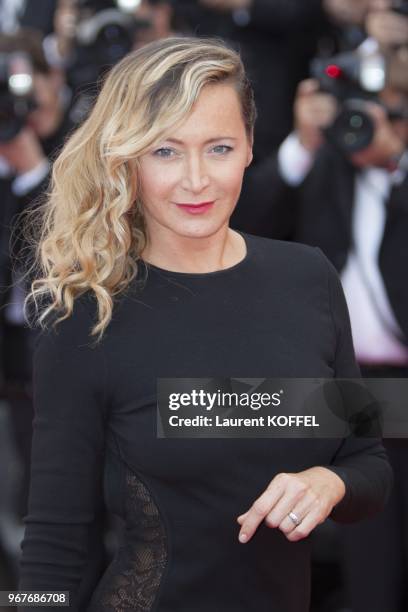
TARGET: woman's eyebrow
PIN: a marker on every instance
(180, 142)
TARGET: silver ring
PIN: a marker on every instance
(294, 518)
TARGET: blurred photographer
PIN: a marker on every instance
(92, 35)
(34, 120)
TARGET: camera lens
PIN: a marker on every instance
(351, 131)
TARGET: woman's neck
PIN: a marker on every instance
(222, 250)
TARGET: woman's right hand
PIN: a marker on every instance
(309, 496)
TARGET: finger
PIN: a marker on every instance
(376, 111)
(241, 517)
(313, 518)
(287, 525)
(300, 510)
(261, 507)
(295, 492)
(322, 115)
(299, 503)
(307, 87)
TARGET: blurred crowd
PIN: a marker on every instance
(330, 169)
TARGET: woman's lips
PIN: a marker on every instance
(196, 209)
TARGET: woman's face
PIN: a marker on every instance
(191, 181)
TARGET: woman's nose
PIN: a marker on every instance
(195, 174)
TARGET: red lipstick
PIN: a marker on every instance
(196, 209)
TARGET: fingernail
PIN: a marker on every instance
(243, 537)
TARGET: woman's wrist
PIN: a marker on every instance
(337, 484)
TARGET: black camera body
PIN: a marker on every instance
(352, 80)
(16, 93)
(103, 37)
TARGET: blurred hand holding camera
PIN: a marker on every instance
(388, 28)
(314, 110)
(386, 147)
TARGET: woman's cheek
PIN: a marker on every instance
(232, 175)
(155, 179)
(166, 180)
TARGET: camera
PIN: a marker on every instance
(16, 93)
(105, 33)
(353, 79)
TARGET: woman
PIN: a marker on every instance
(136, 250)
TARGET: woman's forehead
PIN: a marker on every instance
(216, 114)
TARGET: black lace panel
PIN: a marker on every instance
(132, 580)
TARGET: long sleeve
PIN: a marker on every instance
(65, 495)
(361, 462)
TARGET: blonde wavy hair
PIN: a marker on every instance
(90, 230)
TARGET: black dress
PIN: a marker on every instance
(280, 312)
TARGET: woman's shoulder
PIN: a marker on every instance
(70, 366)
(290, 258)
(72, 332)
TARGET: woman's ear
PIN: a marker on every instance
(250, 146)
(250, 156)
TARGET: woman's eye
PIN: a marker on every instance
(166, 153)
(225, 147)
(163, 152)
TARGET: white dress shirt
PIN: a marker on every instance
(375, 330)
